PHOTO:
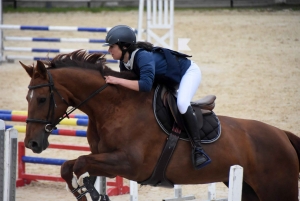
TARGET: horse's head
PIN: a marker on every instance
(67, 80)
(45, 107)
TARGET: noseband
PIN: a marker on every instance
(51, 125)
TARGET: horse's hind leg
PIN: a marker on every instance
(67, 174)
(278, 188)
(248, 193)
(277, 183)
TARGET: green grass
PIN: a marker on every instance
(11, 9)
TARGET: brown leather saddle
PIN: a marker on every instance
(170, 120)
(166, 112)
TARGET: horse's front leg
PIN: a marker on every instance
(104, 164)
(72, 185)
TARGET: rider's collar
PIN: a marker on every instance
(129, 64)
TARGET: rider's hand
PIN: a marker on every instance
(111, 80)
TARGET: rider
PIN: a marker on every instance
(163, 66)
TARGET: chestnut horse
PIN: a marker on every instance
(126, 140)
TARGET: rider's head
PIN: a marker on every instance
(123, 36)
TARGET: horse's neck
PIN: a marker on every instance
(82, 83)
(78, 85)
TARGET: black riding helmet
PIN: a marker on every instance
(121, 35)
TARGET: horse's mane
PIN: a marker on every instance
(84, 60)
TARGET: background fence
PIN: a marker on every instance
(135, 3)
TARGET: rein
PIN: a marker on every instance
(52, 105)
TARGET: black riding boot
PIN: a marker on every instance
(199, 157)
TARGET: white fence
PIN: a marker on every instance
(8, 162)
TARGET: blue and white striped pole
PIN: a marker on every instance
(55, 28)
(36, 39)
(33, 58)
(62, 50)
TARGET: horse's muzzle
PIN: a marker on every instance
(37, 146)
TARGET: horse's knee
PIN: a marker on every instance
(79, 166)
(66, 170)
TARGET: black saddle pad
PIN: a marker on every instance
(210, 131)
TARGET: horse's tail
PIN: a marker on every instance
(295, 141)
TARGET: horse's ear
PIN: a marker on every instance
(28, 69)
(40, 70)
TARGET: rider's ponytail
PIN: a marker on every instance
(144, 45)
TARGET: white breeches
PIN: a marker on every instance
(188, 87)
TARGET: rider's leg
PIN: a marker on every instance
(199, 158)
(187, 88)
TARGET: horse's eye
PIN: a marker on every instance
(41, 100)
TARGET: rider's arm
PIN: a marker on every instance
(146, 64)
(130, 84)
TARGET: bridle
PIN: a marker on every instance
(51, 124)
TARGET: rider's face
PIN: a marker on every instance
(115, 51)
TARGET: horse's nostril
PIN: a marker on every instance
(33, 144)
(35, 147)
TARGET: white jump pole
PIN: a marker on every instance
(212, 191)
(160, 16)
(1, 33)
(133, 191)
(8, 162)
(235, 183)
(178, 195)
(100, 185)
(2, 169)
(235, 186)
(140, 20)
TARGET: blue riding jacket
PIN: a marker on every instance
(162, 66)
